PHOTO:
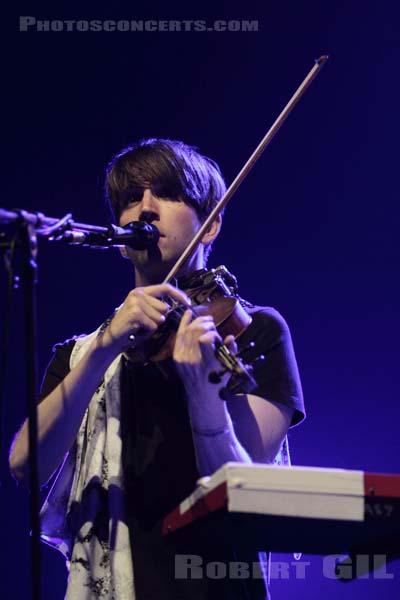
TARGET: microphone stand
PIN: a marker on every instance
(24, 227)
(30, 279)
(22, 232)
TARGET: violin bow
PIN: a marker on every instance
(247, 167)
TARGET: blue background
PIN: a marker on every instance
(313, 231)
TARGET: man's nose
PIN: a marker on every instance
(149, 209)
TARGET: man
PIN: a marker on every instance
(136, 436)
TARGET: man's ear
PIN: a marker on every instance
(123, 251)
(212, 232)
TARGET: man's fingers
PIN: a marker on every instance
(140, 297)
(166, 289)
(209, 338)
(230, 342)
(187, 317)
(152, 313)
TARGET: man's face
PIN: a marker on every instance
(176, 221)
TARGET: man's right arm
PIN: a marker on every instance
(61, 412)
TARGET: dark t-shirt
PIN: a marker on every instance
(158, 456)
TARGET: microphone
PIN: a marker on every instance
(138, 235)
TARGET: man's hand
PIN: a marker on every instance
(194, 355)
(142, 312)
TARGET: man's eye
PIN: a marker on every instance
(165, 195)
(165, 192)
(134, 196)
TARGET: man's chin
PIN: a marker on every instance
(145, 257)
(153, 265)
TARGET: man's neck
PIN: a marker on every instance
(144, 277)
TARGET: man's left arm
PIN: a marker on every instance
(259, 426)
(256, 437)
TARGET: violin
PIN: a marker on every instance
(215, 292)
(212, 292)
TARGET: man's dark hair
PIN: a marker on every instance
(170, 169)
